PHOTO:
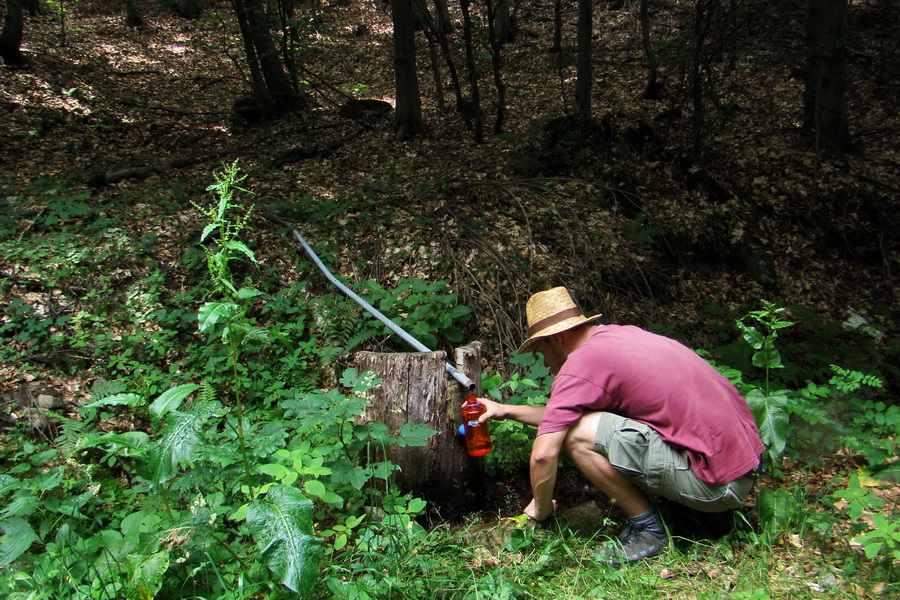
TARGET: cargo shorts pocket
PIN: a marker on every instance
(708, 498)
(627, 450)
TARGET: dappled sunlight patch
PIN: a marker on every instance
(42, 94)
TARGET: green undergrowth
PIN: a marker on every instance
(218, 452)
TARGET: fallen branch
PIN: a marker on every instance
(143, 171)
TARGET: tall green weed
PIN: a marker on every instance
(231, 490)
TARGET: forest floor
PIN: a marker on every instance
(639, 228)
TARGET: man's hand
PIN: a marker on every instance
(529, 415)
(493, 410)
(540, 515)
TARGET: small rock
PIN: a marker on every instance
(49, 402)
(39, 420)
(829, 581)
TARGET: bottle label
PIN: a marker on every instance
(473, 424)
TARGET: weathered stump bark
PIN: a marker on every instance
(417, 390)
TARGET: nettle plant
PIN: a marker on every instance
(844, 412)
(223, 494)
(421, 308)
(768, 403)
(529, 385)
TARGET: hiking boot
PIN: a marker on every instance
(627, 534)
(632, 546)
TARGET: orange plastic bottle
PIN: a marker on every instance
(478, 436)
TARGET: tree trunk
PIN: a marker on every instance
(825, 78)
(451, 66)
(474, 105)
(436, 72)
(442, 16)
(256, 78)
(653, 91)
(504, 26)
(271, 85)
(11, 36)
(188, 9)
(277, 83)
(408, 113)
(496, 45)
(583, 68)
(132, 16)
(557, 27)
(701, 30)
(415, 390)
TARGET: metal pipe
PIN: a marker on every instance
(451, 370)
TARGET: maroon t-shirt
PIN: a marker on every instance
(658, 381)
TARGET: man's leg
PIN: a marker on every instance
(645, 534)
(599, 471)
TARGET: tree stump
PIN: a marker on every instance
(416, 389)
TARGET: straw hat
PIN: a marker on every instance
(551, 312)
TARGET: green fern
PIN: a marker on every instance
(338, 322)
(207, 392)
(103, 388)
(848, 381)
(361, 338)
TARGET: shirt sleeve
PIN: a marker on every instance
(570, 396)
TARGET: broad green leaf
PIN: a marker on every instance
(74, 505)
(770, 414)
(49, 479)
(242, 248)
(131, 526)
(315, 488)
(246, 293)
(180, 441)
(417, 505)
(133, 440)
(413, 434)
(7, 482)
(172, 399)
(752, 335)
(207, 230)
(241, 513)
(281, 524)
(120, 399)
(776, 508)
(211, 312)
(767, 358)
(330, 497)
(872, 549)
(459, 311)
(358, 478)
(22, 506)
(17, 539)
(275, 470)
(147, 573)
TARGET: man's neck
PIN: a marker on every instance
(574, 338)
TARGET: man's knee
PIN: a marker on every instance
(582, 435)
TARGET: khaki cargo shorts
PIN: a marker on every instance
(637, 451)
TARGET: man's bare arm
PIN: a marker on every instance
(544, 459)
(529, 415)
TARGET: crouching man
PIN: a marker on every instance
(638, 413)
